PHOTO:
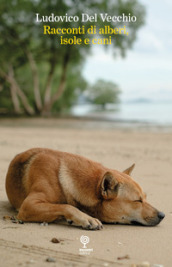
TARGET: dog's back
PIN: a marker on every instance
(14, 180)
(72, 172)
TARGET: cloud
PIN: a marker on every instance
(148, 42)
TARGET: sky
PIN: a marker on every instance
(146, 71)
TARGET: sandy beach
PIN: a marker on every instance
(30, 244)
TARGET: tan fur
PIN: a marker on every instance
(47, 185)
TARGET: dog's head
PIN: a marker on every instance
(124, 202)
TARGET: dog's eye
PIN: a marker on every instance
(138, 200)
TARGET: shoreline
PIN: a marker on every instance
(84, 122)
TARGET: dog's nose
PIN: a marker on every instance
(161, 215)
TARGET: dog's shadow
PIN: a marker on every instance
(6, 209)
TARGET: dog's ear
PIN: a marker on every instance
(129, 170)
(109, 186)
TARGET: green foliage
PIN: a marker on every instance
(34, 67)
(103, 92)
(5, 101)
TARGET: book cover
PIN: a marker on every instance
(91, 78)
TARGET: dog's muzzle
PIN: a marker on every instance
(151, 221)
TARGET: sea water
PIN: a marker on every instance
(156, 113)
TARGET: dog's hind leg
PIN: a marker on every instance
(34, 209)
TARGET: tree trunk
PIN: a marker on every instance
(29, 110)
(14, 97)
(35, 75)
(47, 96)
(15, 100)
(48, 106)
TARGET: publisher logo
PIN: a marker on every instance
(85, 240)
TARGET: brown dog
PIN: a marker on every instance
(46, 185)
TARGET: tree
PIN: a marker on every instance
(103, 92)
(35, 67)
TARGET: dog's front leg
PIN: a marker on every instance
(79, 218)
(35, 210)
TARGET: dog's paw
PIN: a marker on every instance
(92, 224)
(79, 218)
(86, 222)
